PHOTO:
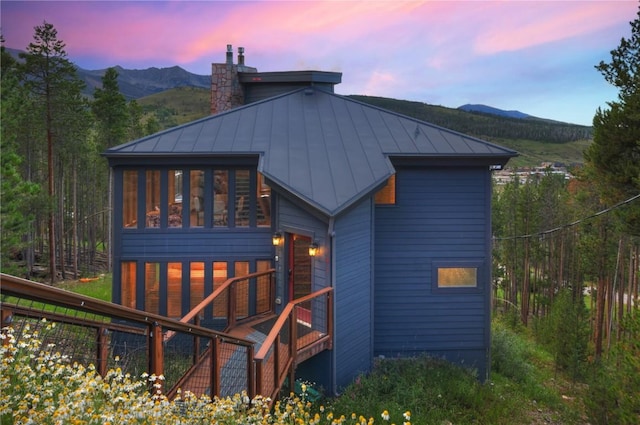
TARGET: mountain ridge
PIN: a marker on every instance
(485, 109)
(139, 83)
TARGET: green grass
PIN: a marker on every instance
(532, 153)
(100, 289)
(524, 388)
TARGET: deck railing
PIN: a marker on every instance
(190, 356)
(237, 299)
(303, 329)
(109, 335)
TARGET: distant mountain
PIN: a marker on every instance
(484, 109)
(137, 83)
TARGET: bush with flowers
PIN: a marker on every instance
(39, 385)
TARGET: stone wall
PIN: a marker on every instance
(226, 90)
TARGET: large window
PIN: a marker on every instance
(152, 288)
(175, 198)
(196, 183)
(196, 289)
(220, 197)
(197, 198)
(242, 198)
(128, 284)
(172, 289)
(219, 277)
(130, 198)
(152, 204)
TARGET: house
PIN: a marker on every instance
(399, 211)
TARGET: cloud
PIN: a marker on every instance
(521, 25)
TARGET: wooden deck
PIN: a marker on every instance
(255, 331)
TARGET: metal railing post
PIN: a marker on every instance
(102, 350)
(215, 367)
(156, 355)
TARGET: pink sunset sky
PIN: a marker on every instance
(537, 57)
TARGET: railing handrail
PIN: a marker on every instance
(282, 318)
(211, 297)
(19, 287)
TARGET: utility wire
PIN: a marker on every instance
(566, 226)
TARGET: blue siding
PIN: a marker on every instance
(294, 219)
(176, 244)
(353, 343)
(440, 214)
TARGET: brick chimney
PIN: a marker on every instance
(226, 90)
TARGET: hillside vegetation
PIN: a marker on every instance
(536, 140)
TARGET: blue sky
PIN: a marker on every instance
(537, 57)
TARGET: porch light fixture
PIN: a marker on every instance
(313, 249)
(276, 239)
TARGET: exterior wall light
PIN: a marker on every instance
(276, 239)
(313, 249)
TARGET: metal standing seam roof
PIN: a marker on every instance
(326, 149)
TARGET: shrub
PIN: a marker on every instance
(614, 386)
(565, 331)
(509, 354)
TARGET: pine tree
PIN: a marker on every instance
(16, 194)
(53, 82)
(614, 155)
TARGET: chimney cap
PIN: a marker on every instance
(229, 48)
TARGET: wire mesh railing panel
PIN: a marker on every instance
(264, 296)
(128, 351)
(312, 320)
(268, 371)
(233, 361)
(179, 356)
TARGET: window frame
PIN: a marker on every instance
(258, 199)
(477, 264)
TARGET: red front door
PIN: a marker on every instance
(300, 272)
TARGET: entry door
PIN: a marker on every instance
(300, 273)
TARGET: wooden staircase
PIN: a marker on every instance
(256, 352)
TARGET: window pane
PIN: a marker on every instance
(128, 282)
(264, 203)
(153, 198)
(175, 198)
(129, 198)
(221, 197)
(196, 288)
(242, 198)
(387, 195)
(263, 291)
(219, 277)
(242, 289)
(151, 287)
(174, 290)
(197, 198)
(457, 277)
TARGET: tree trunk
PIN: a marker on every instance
(74, 242)
(52, 233)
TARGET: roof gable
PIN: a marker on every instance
(324, 148)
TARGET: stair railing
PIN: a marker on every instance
(110, 335)
(303, 329)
